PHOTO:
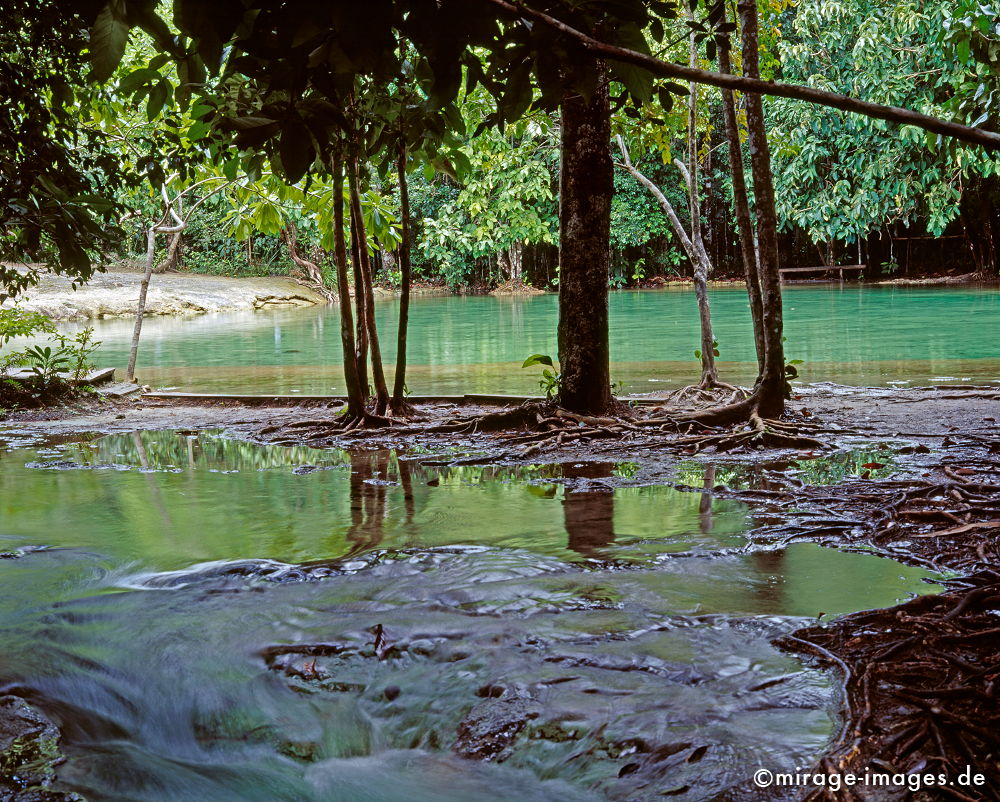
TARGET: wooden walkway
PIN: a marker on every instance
(821, 269)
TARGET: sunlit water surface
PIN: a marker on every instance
(220, 620)
(850, 334)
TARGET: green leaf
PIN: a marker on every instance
(538, 359)
(137, 78)
(108, 38)
(296, 149)
(638, 81)
(157, 97)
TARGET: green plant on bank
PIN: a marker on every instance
(78, 350)
(715, 350)
(639, 270)
(47, 362)
(891, 267)
(549, 382)
(791, 372)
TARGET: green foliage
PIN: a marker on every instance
(506, 201)
(841, 176)
(970, 34)
(78, 350)
(551, 377)
(715, 350)
(17, 322)
(46, 362)
(54, 194)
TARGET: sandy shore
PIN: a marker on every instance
(115, 294)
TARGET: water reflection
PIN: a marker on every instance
(184, 664)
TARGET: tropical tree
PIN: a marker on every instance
(842, 176)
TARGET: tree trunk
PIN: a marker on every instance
(172, 258)
(586, 189)
(141, 309)
(355, 390)
(770, 395)
(399, 384)
(173, 248)
(378, 376)
(700, 263)
(741, 201)
(702, 266)
(314, 275)
(361, 330)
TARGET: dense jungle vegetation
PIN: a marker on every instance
(499, 143)
(849, 189)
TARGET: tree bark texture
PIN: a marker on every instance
(399, 384)
(355, 390)
(378, 375)
(744, 223)
(586, 188)
(771, 387)
(361, 329)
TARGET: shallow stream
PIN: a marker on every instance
(219, 620)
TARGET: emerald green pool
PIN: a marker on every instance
(849, 334)
(157, 590)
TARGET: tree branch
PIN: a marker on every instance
(665, 69)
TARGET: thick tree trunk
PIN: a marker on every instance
(744, 223)
(361, 328)
(770, 394)
(587, 185)
(378, 376)
(399, 384)
(355, 390)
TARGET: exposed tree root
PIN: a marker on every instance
(699, 396)
(920, 688)
(758, 433)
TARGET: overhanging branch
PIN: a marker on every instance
(666, 69)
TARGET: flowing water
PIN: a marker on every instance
(218, 620)
(851, 334)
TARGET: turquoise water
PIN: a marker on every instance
(849, 334)
(204, 625)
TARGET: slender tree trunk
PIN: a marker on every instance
(172, 258)
(399, 384)
(744, 223)
(157, 228)
(141, 309)
(771, 388)
(378, 376)
(696, 253)
(586, 189)
(702, 266)
(361, 328)
(355, 390)
(314, 276)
